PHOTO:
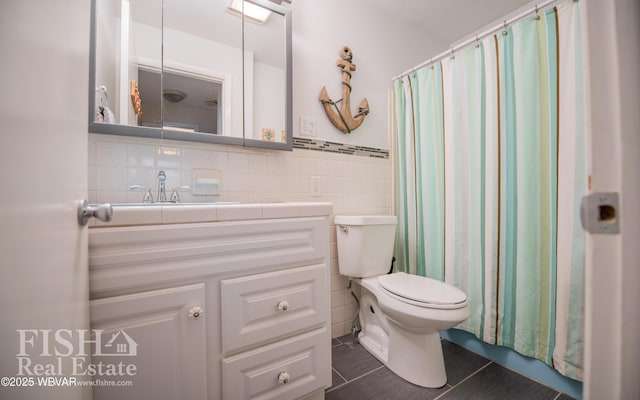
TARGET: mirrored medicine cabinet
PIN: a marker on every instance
(191, 70)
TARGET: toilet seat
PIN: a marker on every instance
(422, 291)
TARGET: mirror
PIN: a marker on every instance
(188, 102)
(181, 70)
(267, 80)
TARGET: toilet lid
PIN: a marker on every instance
(421, 289)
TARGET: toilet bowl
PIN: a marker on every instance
(400, 314)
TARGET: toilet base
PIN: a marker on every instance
(415, 357)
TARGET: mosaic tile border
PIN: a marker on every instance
(342, 148)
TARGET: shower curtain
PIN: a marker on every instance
(421, 155)
(490, 169)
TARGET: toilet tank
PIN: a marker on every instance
(365, 244)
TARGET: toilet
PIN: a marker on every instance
(400, 314)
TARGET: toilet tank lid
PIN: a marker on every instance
(365, 220)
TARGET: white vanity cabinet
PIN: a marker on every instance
(228, 309)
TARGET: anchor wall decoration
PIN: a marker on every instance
(342, 117)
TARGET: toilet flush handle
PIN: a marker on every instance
(343, 228)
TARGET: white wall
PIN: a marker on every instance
(382, 48)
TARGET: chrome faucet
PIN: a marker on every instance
(162, 192)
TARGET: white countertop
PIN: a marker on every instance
(151, 214)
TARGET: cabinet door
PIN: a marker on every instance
(162, 334)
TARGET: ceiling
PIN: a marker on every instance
(448, 20)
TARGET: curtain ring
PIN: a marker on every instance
(477, 42)
(504, 31)
(453, 57)
(536, 17)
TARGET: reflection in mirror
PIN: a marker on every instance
(116, 58)
(180, 70)
(267, 77)
(191, 103)
(202, 43)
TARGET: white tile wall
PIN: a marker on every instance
(354, 184)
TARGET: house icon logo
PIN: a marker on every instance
(120, 344)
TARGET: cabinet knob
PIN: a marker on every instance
(283, 305)
(283, 377)
(195, 312)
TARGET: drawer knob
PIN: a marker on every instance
(283, 305)
(195, 312)
(283, 377)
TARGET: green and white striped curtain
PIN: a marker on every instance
(491, 166)
(471, 153)
(420, 155)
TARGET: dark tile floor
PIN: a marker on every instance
(359, 375)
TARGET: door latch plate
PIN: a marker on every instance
(599, 213)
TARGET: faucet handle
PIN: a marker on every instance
(148, 197)
(175, 196)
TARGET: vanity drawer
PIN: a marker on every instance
(284, 370)
(259, 308)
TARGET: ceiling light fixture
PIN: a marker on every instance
(173, 96)
(252, 12)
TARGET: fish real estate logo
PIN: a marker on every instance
(47, 352)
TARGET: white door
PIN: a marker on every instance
(612, 324)
(44, 47)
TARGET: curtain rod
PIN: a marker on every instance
(537, 8)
